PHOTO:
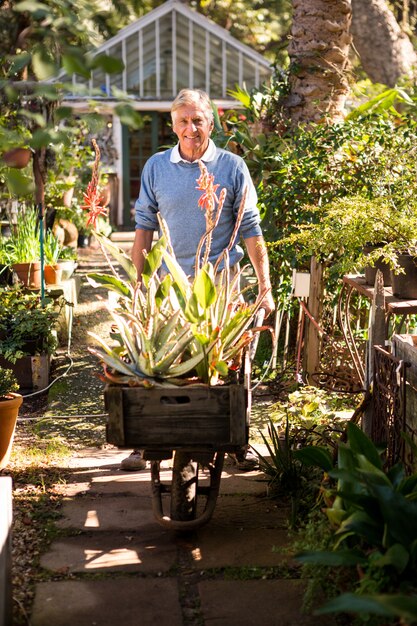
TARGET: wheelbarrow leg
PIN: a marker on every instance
(185, 489)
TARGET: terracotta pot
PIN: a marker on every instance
(53, 274)
(9, 410)
(405, 285)
(29, 274)
(17, 157)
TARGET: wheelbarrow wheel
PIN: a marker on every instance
(184, 487)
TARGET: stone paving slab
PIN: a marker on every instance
(248, 511)
(124, 601)
(92, 553)
(235, 547)
(254, 603)
(107, 513)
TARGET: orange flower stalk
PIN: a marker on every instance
(208, 202)
(93, 197)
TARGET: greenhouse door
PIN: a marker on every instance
(138, 146)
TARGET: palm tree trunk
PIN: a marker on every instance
(385, 51)
(318, 49)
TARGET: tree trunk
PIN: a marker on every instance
(318, 49)
(385, 51)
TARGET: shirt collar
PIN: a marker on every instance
(209, 154)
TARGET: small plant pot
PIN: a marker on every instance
(17, 157)
(53, 274)
(380, 264)
(405, 285)
(68, 267)
(29, 274)
(9, 410)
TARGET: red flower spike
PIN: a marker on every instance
(93, 197)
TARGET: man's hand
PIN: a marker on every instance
(267, 303)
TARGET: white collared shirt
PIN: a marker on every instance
(209, 154)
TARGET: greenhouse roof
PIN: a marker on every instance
(170, 48)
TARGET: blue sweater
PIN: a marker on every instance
(170, 188)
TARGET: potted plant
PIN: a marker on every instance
(27, 334)
(52, 250)
(10, 402)
(6, 273)
(67, 261)
(17, 157)
(23, 247)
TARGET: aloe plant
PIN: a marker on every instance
(174, 327)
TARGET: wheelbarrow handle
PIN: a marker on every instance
(258, 321)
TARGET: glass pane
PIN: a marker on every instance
(165, 41)
(116, 80)
(98, 79)
(183, 53)
(199, 60)
(232, 68)
(132, 64)
(249, 73)
(264, 75)
(216, 67)
(149, 62)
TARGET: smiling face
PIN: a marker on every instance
(193, 125)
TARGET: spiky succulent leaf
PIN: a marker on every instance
(153, 260)
(112, 283)
(119, 255)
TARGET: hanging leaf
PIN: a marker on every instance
(109, 65)
(18, 62)
(43, 63)
(18, 183)
(129, 116)
(37, 9)
(74, 62)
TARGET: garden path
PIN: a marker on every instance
(110, 562)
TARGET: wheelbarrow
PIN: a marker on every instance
(196, 426)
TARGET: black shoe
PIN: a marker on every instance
(246, 460)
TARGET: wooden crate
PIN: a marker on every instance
(169, 418)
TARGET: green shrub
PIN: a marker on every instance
(8, 382)
(372, 516)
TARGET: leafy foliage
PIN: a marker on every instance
(368, 157)
(373, 518)
(26, 325)
(8, 382)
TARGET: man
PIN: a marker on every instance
(169, 186)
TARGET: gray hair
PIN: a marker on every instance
(193, 96)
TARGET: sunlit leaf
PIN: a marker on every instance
(43, 63)
(73, 62)
(129, 116)
(109, 64)
(19, 184)
(18, 62)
